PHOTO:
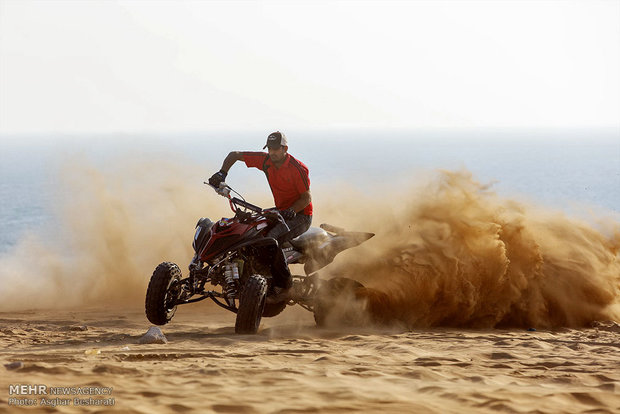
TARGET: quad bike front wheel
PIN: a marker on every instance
(251, 305)
(163, 292)
(336, 303)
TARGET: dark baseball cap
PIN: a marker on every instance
(276, 140)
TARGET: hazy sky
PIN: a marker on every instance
(168, 66)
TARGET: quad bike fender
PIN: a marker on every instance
(327, 251)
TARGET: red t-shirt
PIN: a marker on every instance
(287, 182)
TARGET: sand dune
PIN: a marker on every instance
(459, 275)
(291, 366)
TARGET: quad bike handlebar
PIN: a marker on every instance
(270, 213)
(223, 190)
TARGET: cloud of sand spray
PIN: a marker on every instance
(460, 256)
(118, 223)
(456, 255)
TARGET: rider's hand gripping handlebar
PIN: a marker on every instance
(223, 189)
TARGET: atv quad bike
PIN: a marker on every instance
(236, 265)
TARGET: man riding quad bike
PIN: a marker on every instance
(290, 186)
(243, 266)
(247, 256)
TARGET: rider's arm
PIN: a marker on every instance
(302, 202)
(230, 159)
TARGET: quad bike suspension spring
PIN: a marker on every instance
(231, 278)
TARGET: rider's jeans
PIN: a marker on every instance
(297, 225)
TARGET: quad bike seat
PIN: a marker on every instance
(313, 236)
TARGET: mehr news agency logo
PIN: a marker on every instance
(23, 395)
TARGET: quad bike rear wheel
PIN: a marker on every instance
(251, 305)
(335, 302)
(163, 292)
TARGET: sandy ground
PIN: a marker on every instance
(291, 366)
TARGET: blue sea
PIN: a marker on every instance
(571, 171)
